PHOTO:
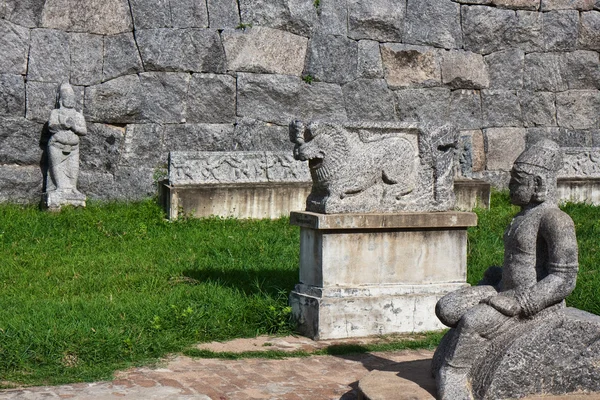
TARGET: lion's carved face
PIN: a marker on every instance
(317, 145)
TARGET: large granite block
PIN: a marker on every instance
(211, 99)
(186, 50)
(149, 14)
(20, 140)
(589, 39)
(465, 111)
(20, 184)
(381, 20)
(543, 72)
(433, 23)
(189, 14)
(487, 29)
(198, 137)
(143, 147)
(119, 101)
(546, 132)
(26, 13)
(503, 146)
(527, 31)
(253, 135)
(223, 14)
(97, 185)
(580, 69)
(14, 47)
(210, 167)
(501, 108)
(295, 16)
(332, 17)
(538, 108)
(377, 167)
(464, 70)
(477, 149)
(12, 95)
(264, 50)
(369, 100)
(583, 5)
(107, 17)
(424, 105)
(571, 138)
(121, 56)
(410, 66)
(578, 109)
(49, 56)
(87, 53)
(164, 96)
(561, 29)
(100, 149)
(332, 58)
(41, 99)
(134, 183)
(517, 4)
(279, 98)
(506, 69)
(369, 64)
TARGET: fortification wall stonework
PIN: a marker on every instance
(154, 76)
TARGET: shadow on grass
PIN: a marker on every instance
(267, 281)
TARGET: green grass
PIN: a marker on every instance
(88, 291)
(85, 292)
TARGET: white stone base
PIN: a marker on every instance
(359, 312)
(260, 200)
(374, 274)
(55, 199)
(579, 190)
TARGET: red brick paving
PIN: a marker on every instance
(314, 378)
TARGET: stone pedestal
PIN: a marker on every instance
(370, 274)
(56, 199)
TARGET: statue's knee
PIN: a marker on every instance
(450, 308)
(447, 312)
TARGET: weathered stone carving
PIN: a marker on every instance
(212, 167)
(511, 335)
(373, 167)
(66, 125)
(581, 162)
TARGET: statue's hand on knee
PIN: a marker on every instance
(508, 306)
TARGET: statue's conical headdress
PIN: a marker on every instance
(545, 154)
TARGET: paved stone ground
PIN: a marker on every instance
(314, 378)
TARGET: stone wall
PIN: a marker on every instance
(155, 76)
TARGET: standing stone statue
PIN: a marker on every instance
(66, 125)
(511, 335)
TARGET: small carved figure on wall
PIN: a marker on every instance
(66, 125)
(512, 310)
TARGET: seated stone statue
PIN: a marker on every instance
(66, 125)
(510, 303)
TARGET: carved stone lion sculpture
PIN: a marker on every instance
(376, 167)
(340, 169)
